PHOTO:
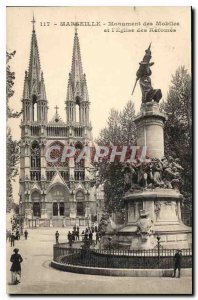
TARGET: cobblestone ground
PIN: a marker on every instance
(39, 278)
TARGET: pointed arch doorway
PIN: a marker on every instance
(59, 197)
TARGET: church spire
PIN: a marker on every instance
(76, 69)
(77, 85)
(77, 100)
(34, 63)
(34, 94)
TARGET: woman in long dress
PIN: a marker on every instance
(15, 269)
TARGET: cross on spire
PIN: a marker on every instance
(33, 21)
(56, 108)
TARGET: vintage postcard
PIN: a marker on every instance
(99, 150)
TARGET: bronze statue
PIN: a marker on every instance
(143, 74)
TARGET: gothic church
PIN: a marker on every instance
(62, 193)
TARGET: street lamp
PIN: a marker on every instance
(21, 216)
(158, 249)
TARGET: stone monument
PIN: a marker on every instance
(153, 200)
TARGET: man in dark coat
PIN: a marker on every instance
(69, 237)
(15, 269)
(177, 262)
(17, 235)
(97, 237)
(57, 237)
(90, 237)
(73, 236)
(12, 238)
(26, 234)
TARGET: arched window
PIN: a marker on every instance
(80, 207)
(34, 108)
(77, 113)
(77, 109)
(56, 154)
(36, 204)
(35, 156)
(35, 162)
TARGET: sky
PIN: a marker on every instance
(110, 59)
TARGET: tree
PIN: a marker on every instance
(10, 77)
(12, 158)
(112, 132)
(178, 128)
(128, 129)
(120, 130)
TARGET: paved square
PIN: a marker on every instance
(39, 278)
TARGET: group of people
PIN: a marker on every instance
(12, 236)
(90, 234)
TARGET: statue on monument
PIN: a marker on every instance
(143, 75)
(152, 173)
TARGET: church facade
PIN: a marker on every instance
(55, 193)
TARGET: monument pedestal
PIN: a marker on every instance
(150, 129)
(160, 204)
(163, 208)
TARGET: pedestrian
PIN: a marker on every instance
(15, 269)
(57, 237)
(26, 234)
(12, 239)
(90, 237)
(97, 237)
(86, 236)
(17, 235)
(177, 262)
(77, 235)
(83, 235)
(73, 236)
(69, 237)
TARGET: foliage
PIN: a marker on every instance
(120, 130)
(12, 158)
(178, 128)
(128, 129)
(112, 132)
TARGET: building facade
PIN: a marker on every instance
(56, 192)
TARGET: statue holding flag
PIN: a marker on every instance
(143, 74)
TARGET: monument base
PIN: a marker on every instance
(164, 221)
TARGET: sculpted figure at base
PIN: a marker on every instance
(129, 174)
(144, 225)
(152, 173)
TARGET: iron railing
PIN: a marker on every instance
(125, 259)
